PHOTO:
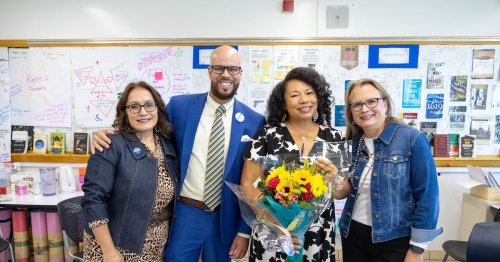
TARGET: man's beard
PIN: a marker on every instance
(214, 89)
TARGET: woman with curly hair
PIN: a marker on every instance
(298, 115)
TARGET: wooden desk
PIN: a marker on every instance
(38, 201)
(475, 210)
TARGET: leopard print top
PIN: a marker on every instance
(157, 232)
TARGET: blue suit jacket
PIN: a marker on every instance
(184, 112)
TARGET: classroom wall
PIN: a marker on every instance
(55, 19)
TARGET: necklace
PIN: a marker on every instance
(367, 174)
(355, 165)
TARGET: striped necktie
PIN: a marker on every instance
(215, 161)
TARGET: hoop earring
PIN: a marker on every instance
(315, 116)
(353, 123)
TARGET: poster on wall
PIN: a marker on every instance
(285, 59)
(435, 77)
(339, 115)
(99, 76)
(260, 76)
(349, 56)
(260, 64)
(310, 56)
(39, 79)
(458, 88)
(393, 56)
(457, 117)
(480, 126)
(434, 106)
(166, 68)
(412, 91)
(479, 95)
(409, 118)
(483, 63)
(5, 120)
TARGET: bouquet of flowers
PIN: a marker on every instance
(293, 193)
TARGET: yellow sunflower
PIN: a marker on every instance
(301, 176)
(285, 185)
(277, 172)
(318, 186)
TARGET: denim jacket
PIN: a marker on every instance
(404, 187)
(120, 184)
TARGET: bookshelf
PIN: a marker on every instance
(50, 158)
(484, 161)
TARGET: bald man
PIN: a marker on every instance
(220, 233)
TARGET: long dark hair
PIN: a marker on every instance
(121, 124)
(276, 104)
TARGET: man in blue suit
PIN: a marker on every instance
(219, 233)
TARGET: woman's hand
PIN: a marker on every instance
(112, 255)
(341, 185)
(323, 164)
(100, 140)
(297, 243)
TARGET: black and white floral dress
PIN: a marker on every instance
(319, 242)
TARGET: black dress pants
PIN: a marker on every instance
(358, 246)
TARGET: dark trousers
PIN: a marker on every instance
(358, 246)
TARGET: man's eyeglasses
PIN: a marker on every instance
(136, 108)
(233, 70)
(370, 103)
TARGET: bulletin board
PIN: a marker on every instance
(76, 88)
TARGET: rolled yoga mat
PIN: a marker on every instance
(39, 233)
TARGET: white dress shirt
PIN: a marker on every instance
(194, 183)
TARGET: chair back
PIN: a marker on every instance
(484, 243)
(72, 218)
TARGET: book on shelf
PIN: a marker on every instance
(81, 143)
(39, 143)
(467, 144)
(30, 130)
(19, 143)
(454, 144)
(441, 145)
(58, 142)
(429, 130)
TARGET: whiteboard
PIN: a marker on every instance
(5, 131)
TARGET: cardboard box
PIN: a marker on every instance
(484, 192)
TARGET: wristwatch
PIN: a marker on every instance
(416, 250)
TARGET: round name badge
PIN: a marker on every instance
(239, 117)
(137, 151)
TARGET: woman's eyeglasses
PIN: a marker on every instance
(136, 108)
(233, 70)
(370, 103)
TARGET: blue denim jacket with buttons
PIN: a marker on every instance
(404, 187)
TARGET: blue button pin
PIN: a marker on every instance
(137, 151)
